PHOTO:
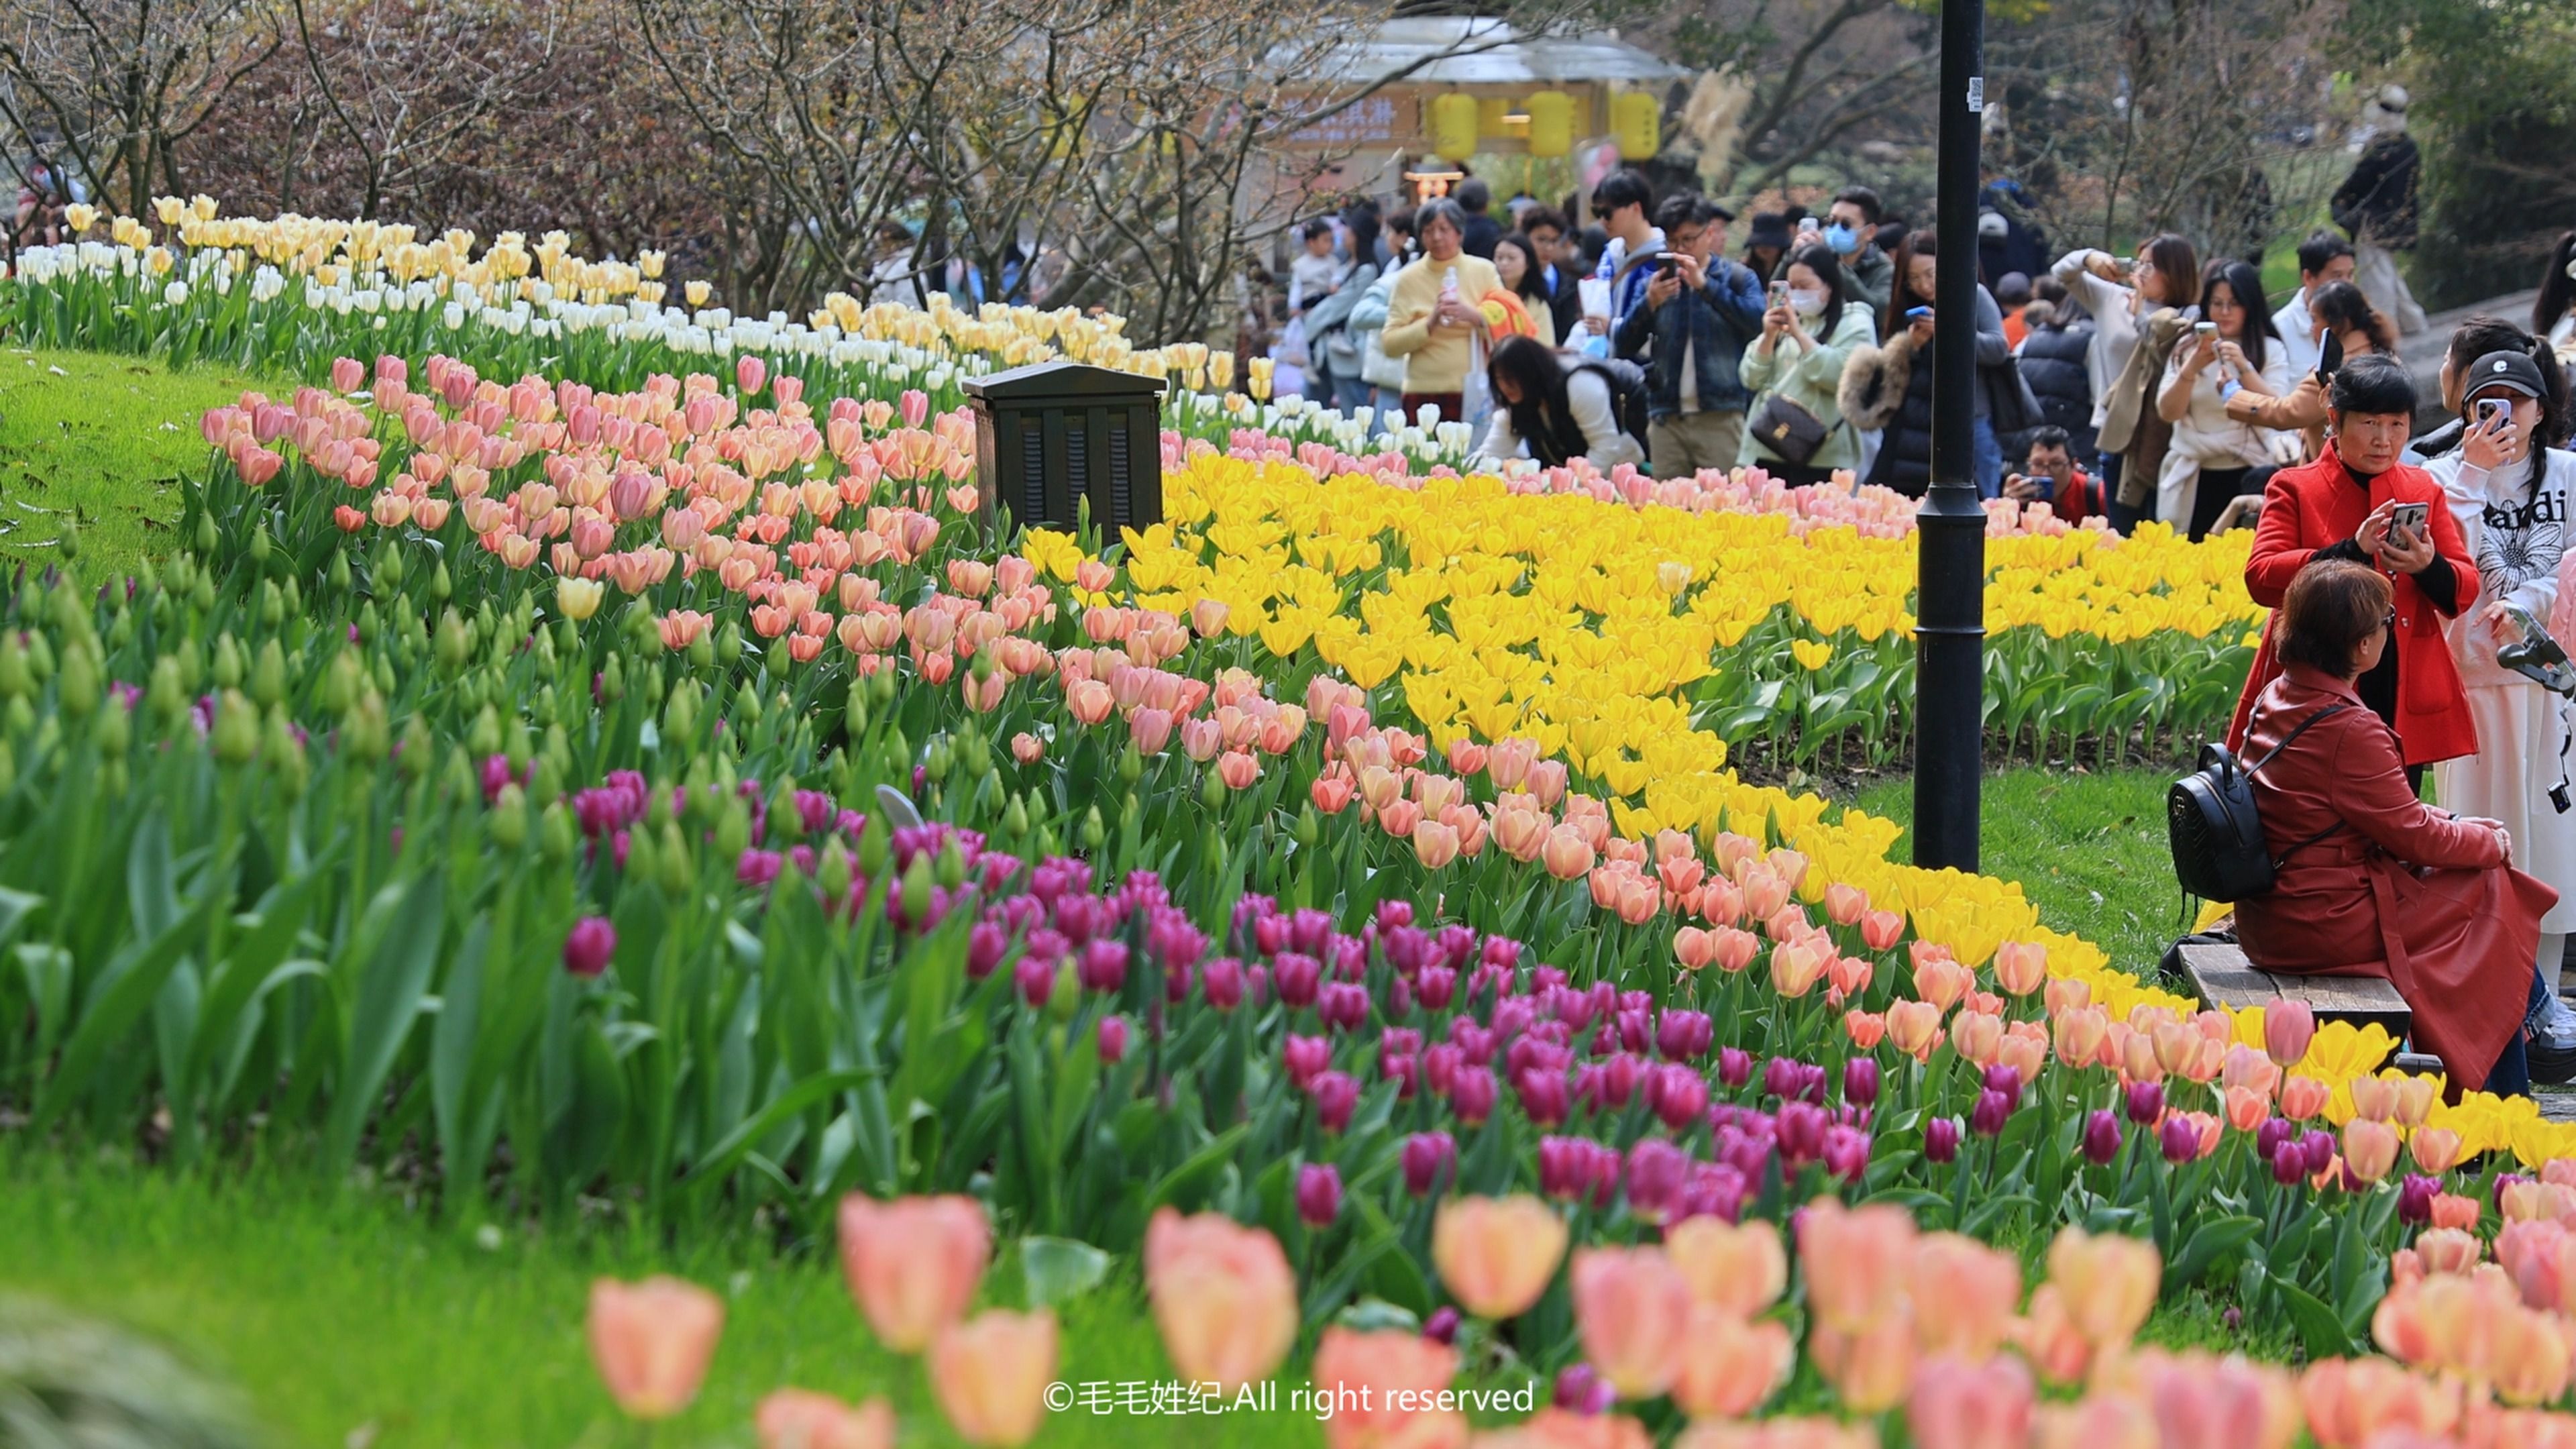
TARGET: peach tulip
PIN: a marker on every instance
(1560, 1428)
(1855, 1260)
(2302, 1098)
(2021, 967)
(1365, 1375)
(2109, 1282)
(1742, 1268)
(1566, 854)
(651, 1342)
(1496, 1256)
(1964, 1404)
(1915, 1027)
(1224, 1297)
(2048, 1337)
(1870, 1369)
(914, 1263)
(1781, 1433)
(1975, 1289)
(2369, 1148)
(990, 1375)
(2436, 1149)
(1434, 844)
(1733, 1364)
(2288, 1027)
(2100, 1421)
(802, 1419)
(2374, 1098)
(1632, 1309)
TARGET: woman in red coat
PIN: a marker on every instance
(2339, 507)
(2371, 881)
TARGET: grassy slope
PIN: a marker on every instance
(2088, 849)
(337, 1312)
(103, 439)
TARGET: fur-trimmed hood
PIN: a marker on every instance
(1874, 382)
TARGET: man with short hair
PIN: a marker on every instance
(1476, 198)
(1868, 274)
(2323, 258)
(2049, 476)
(1620, 201)
(1546, 230)
(1697, 314)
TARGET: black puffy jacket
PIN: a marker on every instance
(2052, 362)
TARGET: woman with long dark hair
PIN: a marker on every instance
(2213, 457)
(1525, 276)
(2510, 491)
(1890, 386)
(1796, 367)
(2553, 313)
(2150, 298)
(1553, 407)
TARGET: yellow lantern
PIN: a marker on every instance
(1491, 113)
(1551, 123)
(1453, 126)
(1636, 123)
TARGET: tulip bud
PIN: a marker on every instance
(1113, 1039)
(228, 662)
(17, 679)
(206, 535)
(1319, 1194)
(1310, 826)
(733, 829)
(612, 678)
(556, 834)
(876, 846)
(1094, 829)
(441, 587)
(165, 697)
(79, 692)
(832, 872)
(916, 887)
(1941, 1139)
(508, 819)
(268, 675)
(1131, 764)
(672, 857)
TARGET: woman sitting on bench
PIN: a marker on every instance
(2372, 881)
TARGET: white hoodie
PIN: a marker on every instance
(2517, 539)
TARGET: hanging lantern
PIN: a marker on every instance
(1491, 114)
(1453, 126)
(1637, 123)
(1551, 123)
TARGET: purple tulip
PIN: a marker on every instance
(1034, 976)
(1440, 1068)
(1335, 1094)
(1992, 1111)
(2007, 1080)
(1407, 950)
(1472, 1093)
(2272, 1135)
(1102, 965)
(1393, 915)
(588, 946)
(986, 944)
(2179, 1139)
(1544, 1096)
(1309, 930)
(1441, 1326)
(1617, 1077)
(2415, 1198)
(2102, 1137)
(1436, 986)
(1800, 1133)
(1113, 1039)
(1846, 1152)
(1577, 1167)
(1678, 1094)
(1716, 1190)
(1474, 1043)
(2289, 1165)
(1304, 1056)
(1222, 981)
(1319, 1194)
(1501, 952)
(2320, 1149)
(1734, 1066)
(1632, 1031)
(1683, 1036)
(1941, 1140)
(1430, 1161)
(1298, 979)
(1783, 1078)
(1457, 945)
(2146, 1103)
(1861, 1082)
(1343, 1006)
(1582, 1390)
(1270, 935)
(1657, 1172)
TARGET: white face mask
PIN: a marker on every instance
(1810, 303)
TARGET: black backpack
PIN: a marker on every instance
(2218, 849)
(1629, 394)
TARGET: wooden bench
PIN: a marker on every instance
(2221, 976)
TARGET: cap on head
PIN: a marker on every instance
(2504, 372)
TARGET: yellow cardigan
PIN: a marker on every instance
(1433, 362)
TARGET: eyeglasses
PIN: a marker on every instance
(2390, 622)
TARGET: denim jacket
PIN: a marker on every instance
(1716, 321)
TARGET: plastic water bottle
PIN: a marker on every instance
(1449, 285)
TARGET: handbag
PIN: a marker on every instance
(2015, 408)
(2219, 853)
(1792, 433)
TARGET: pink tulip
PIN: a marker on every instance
(802, 1419)
(2288, 1027)
(1632, 1309)
(1955, 1405)
(749, 372)
(990, 1375)
(913, 1264)
(1224, 1297)
(651, 1342)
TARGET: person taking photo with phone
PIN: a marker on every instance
(2344, 506)
(2150, 299)
(2509, 491)
(2212, 456)
(1794, 429)
(1699, 312)
(1889, 387)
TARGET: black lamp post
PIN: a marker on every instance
(1950, 528)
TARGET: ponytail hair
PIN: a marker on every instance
(2557, 287)
(2557, 415)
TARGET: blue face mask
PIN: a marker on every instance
(1842, 239)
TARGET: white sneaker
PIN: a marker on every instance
(2555, 1023)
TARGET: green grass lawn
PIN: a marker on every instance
(101, 439)
(348, 1320)
(2088, 849)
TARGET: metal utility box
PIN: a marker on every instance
(1050, 435)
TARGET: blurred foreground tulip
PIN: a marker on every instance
(1223, 1296)
(1497, 1255)
(652, 1340)
(991, 1373)
(801, 1419)
(913, 1264)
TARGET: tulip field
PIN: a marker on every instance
(580, 768)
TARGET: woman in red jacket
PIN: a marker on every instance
(2341, 507)
(2371, 880)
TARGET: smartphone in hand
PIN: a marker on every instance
(2410, 520)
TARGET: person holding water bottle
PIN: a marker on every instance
(1433, 321)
